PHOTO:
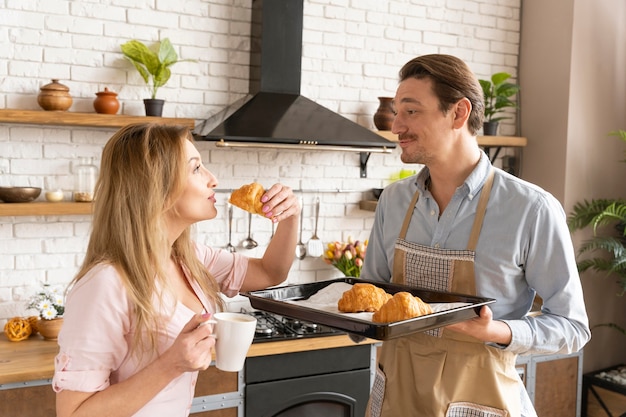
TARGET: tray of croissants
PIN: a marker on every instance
(372, 309)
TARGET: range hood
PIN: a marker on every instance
(275, 114)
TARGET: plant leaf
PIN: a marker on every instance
(500, 77)
(167, 54)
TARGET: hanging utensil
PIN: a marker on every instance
(301, 247)
(249, 243)
(230, 246)
(315, 246)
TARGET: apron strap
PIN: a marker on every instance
(480, 211)
(409, 215)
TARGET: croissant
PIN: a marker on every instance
(248, 198)
(362, 297)
(402, 306)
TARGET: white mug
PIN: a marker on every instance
(233, 336)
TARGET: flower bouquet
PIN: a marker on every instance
(48, 302)
(346, 256)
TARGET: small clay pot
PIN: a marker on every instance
(106, 102)
(54, 97)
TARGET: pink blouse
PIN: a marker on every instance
(99, 326)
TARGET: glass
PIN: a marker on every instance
(85, 177)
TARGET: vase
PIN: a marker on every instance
(106, 102)
(54, 97)
(383, 118)
(50, 329)
(154, 106)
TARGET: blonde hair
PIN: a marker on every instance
(142, 172)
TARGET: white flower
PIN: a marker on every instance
(44, 304)
(49, 302)
(48, 313)
(57, 299)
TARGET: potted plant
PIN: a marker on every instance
(497, 93)
(50, 305)
(154, 66)
(598, 214)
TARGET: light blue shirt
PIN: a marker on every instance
(524, 248)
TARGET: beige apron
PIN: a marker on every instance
(439, 373)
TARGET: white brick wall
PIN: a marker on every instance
(351, 55)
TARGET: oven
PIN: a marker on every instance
(327, 382)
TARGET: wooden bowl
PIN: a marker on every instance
(19, 194)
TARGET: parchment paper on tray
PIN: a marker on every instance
(326, 300)
(317, 302)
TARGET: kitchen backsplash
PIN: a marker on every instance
(352, 54)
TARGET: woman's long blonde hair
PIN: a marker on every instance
(142, 172)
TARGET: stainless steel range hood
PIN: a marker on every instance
(275, 114)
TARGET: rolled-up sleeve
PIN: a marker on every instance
(93, 339)
(228, 269)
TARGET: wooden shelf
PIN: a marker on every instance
(62, 118)
(37, 208)
(485, 141)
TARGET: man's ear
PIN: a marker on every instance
(462, 110)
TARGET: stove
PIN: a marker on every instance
(273, 327)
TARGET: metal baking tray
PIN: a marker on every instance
(275, 300)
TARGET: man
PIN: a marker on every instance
(462, 225)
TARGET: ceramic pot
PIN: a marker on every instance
(50, 329)
(383, 118)
(490, 128)
(106, 102)
(154, 106)
(54, 97)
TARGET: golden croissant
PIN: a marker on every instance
(248, 198)
(402, 306)
(362, 297)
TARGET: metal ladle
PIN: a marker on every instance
(230, 246)
(301, 247)
(249, 243)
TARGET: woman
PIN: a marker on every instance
(131, 344)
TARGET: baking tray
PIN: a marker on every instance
(275, 300)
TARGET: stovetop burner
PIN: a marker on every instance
(271, 327)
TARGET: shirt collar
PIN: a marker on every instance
(472, 184)
(475, 181)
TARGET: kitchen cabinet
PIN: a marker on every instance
(218, 394)
(27, 367)
(32, 398)
(70, 119)
(553, 382)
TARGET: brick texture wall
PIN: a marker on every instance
(352, 52)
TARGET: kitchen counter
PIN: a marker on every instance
(33, 359)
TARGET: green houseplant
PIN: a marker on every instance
(611, 243)
(154, 66)
(497, 93)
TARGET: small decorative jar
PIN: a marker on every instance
(383, 118)
(85, 178)
(54, 97)
(106, 102)
(54, 196)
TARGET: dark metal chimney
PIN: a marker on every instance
(276, 114)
